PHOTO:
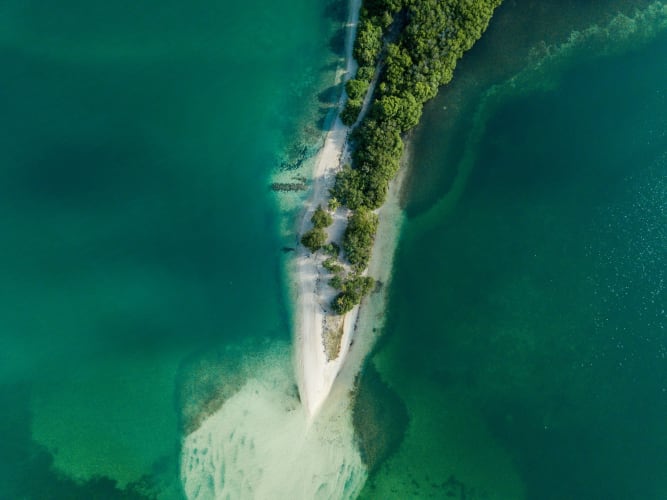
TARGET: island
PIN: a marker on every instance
(400, 52)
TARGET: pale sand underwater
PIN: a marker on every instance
(263, 444)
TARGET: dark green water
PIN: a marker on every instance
(137, 227)
(527, 332)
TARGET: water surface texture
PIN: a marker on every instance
(136, 220)
(526, 329)
(143, 309)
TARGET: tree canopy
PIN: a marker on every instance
(359, 236)
(321, 218)
(427, 39)
(314, 239)
(435, 34)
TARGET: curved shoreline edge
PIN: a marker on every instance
(324, 327)
(315, 373)
(541, 74)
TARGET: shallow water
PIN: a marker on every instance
(262, 443)
(138, 228)
(526, 325)
(143, 294)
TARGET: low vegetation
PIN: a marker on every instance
(352, 290)
(321, 218)
(359, 236)
(316, 238)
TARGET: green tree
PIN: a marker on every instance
(343, 303)
(348, 187)
(356, 89)
(332, 265)
(314, 239)
(352, 291)
(351, 111)
(333, 204)
(368, 43)
(332, 249)
(434, 35)
(336, 282)
(359, 236)
(403, 110)
(321, 218)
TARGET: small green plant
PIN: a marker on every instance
(352, 290)
(332, 249)
(336, 282)
(343, 303)
(359, 236)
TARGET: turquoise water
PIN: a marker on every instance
(142, 271)
(138, 228)
(526, 329)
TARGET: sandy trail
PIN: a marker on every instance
(315, 374)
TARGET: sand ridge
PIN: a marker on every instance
(315, 372)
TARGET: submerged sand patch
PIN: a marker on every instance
(262, 444)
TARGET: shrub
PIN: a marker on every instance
(351, 111)
(333, 204)
(336, 282)
(321, 218)
(332, 249)
(332, 265)
(360, 286)
(352, 291)
(356, 88)
(314, 239)
(359, 236)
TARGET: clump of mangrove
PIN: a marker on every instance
(434, 36)
(316, 238)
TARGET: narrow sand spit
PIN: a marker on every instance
(316, 373)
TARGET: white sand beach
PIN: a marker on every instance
(315, 373)
(240, 451)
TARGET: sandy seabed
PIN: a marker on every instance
(266, 441)
(261, 443)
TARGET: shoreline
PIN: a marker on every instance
(315, 372)
(327, 309)
(371, 318)
(341, 374)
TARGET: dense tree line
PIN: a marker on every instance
(359, 236)
(435, 35)
(375, 18)
(427, 39)
(315, 239)
(352, 290)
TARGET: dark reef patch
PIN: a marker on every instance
(380, 418)
(27, 467)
